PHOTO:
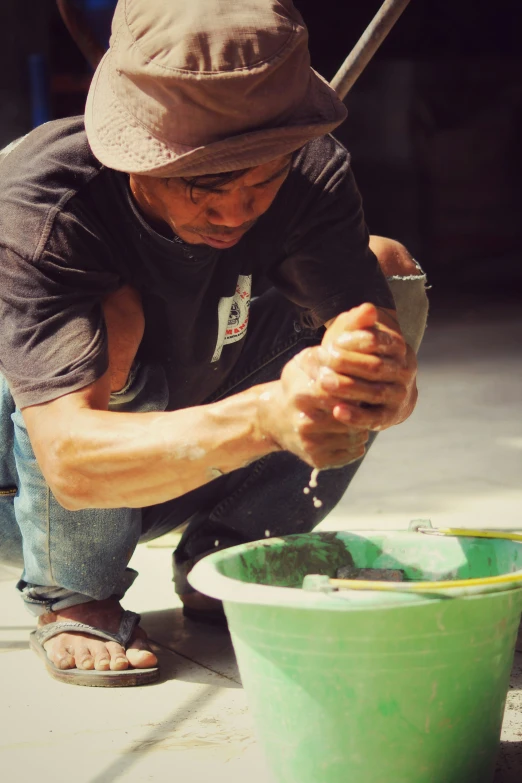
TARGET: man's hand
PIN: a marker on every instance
(361, 378)
(368, 366)
(295, 413)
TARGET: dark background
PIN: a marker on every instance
(434, 125)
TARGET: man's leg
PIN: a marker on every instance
(10, 536)
(74, 563)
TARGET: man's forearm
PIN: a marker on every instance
(102, 459)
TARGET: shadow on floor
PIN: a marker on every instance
(148, 743)
(10, 646)
(200, 645)
(509, 763)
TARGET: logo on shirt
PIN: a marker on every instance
(233, 315)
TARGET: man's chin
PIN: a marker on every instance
(222, 242)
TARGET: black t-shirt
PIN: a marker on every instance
(70, 234)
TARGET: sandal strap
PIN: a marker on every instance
(128, 622)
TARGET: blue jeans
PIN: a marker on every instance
(70, 557)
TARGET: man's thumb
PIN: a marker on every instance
(362, 317)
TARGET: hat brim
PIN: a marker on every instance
(120, 142)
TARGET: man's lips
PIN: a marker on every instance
(223, 241)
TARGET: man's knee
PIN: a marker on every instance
(407, 282)
(125, 323)
(394, 259)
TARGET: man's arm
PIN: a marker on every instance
(94, 458)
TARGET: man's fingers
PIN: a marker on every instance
(325, 368)
(369, 418)
(381, 341)
(309, 362)
(314, 431)
(362, 317)
(331, 398)
(335, 456)
(379, 369)
(323, 450)
(357, 378)
(355, 389)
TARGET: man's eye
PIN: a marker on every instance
(273, 179)
(204, 191)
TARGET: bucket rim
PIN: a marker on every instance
(206, 578)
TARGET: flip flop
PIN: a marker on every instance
(108, 679)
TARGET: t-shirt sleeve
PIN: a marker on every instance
(327, 266)
(53, 337)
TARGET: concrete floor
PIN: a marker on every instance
(457, 461)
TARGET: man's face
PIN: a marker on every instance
(215, 215)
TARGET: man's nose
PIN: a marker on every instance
(232, 210)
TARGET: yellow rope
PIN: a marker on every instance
(458, 531)
(360, 584)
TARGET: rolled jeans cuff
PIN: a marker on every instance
(411, 304)
(40, 600)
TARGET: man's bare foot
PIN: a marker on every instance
(70, 650)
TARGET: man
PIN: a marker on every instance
(134, 397)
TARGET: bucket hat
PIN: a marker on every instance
(193, 87)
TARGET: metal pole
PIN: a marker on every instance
(39, 89)
(367, 45)
(80, 31)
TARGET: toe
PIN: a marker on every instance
(140, 655)
(119, 663)
(118, 660)
(102, 662)
(83, 658)
(63, 660)
(59, 654)
(100, 654)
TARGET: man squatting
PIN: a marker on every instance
(201, 192)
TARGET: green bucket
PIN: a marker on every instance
(364, 686)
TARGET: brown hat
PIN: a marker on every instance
(191, 87)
